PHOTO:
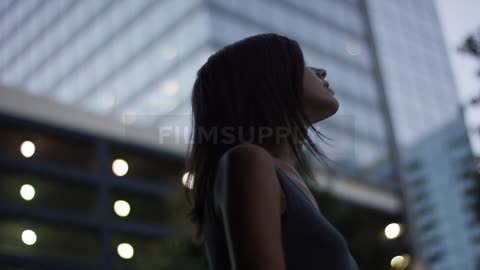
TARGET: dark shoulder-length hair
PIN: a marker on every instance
(253, 83)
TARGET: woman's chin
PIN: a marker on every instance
(330, 109)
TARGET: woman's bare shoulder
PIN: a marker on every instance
(250, 208)
(243, 167)
(246, 153)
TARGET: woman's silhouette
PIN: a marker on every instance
(253, 102)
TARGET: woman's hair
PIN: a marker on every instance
(253, 83)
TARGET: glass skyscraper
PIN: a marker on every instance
(422, 99)
(437, 174)
(139, 57)
(424, 106)
(414, 63)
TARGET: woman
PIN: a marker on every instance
(252, 103)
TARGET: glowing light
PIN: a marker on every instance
(170, 87)
(125, 251)
(108, 99)
(353, 48)
(27, 192)
(119, 167)
(169, 53)
(167, 104)
(400, 262)
(187, 180)
(153, 101)
(27, 149)
(393, 230)
(129, 118)
(121, 208)
(29, 237)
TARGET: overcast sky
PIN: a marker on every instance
(458, 19)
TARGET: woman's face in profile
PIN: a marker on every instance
(320, 102)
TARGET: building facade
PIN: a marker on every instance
(423, 102)
(105, 57)
(438, 179)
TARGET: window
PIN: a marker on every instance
(423, 210)
(427, 226)
(420, 195)
(414, 165)
(435, 257)
(417, 182)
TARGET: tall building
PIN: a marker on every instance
(416, 72)
(423, 102)
(139, 58)
(136, 61)
(438, 178)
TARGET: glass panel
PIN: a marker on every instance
(61, 34)
(148, 66)
(92, 40)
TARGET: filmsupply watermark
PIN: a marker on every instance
(176, 130)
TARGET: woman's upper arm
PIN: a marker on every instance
(250, 206)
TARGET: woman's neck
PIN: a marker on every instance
(284, 153)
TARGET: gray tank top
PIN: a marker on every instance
(310, 241)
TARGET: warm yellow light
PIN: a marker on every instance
(400, 262)
(27, 149)
(125, 250)
(393, 230)
(119, 167)
(121, 208)
(29, 237)
(27, 192)
(187, 180)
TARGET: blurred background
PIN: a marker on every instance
(95, 119)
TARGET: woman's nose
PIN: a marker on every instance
(322, 73)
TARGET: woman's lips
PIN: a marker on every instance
(326, 84)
